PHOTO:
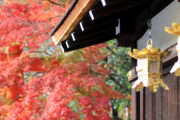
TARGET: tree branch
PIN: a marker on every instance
(43, 52)
(54, 2)
(107, 47)
(115, 81)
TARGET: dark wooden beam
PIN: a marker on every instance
(111, 2)
(142, 104)
(133, 15)
(86, 18)
(97, 4)
(92, 37)
(77, 29)
(89, 25)
(141, 22)
(114, 9)
(129, 39)
(94, 30)
(127, 29)
(92, 41)
(134, 105)
(92, 25)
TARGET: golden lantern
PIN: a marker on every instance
(175, 30)
(149, 67)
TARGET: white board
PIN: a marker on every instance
(163, 19)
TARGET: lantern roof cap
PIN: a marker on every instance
(175, 29)
(147, 52)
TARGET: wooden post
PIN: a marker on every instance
(142, 104)
(134, 104)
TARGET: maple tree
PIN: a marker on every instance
(37, 81)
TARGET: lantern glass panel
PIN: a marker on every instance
(142, 65)
(154, 66)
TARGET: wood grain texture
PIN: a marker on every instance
(95, 30)
(83, 43)
(172, 97)
(119, 9)
(106, 33)
(158, 104)
(164, 105)
(154, 104)
(110, 2)
(72, 20)
(93, 25)
(142, 104)
(178, 97)
(148, 105)
(134, 104)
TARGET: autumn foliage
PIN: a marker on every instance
(44, 84)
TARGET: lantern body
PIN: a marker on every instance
(149, 71)
(175, 30)
(176, 68)
(149, 67)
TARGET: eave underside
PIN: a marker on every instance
(124, 20)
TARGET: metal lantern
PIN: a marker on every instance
(175, 30)
(149, 67)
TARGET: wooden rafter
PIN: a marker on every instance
(114, 9)
(90, 25)
(110, 2)
(73, 18)
(101, 37)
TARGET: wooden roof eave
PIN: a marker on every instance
(76, 12)
(131, 18)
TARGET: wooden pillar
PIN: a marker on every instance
(134, 104)
(142, 104)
